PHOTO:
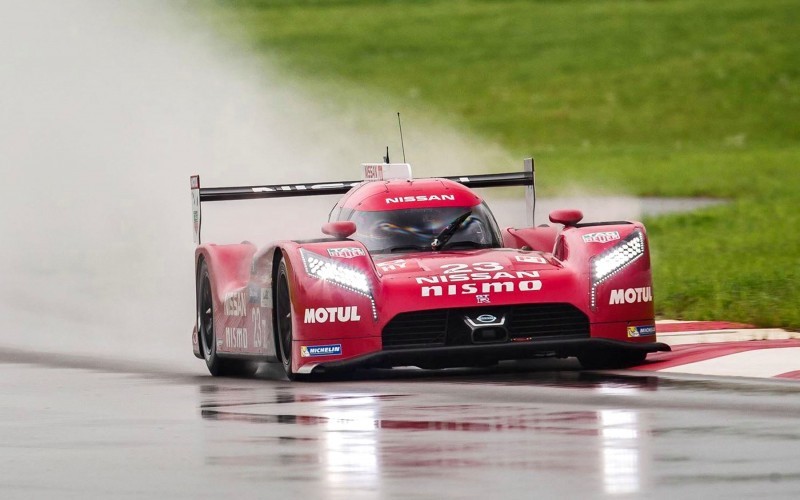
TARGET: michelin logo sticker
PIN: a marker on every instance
(311, 351)
(641, 331)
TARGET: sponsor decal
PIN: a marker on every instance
(347, 252)
(482, 288)
(235, 338)
(392, 265)
(641, 331)
(495, 279)
(486, 318)
(253, 294)
(266, 297)
(631, 295)
(346, 314)
(259, 328)
(373, 172)
(531, 259)
(450, 278)
(422, 197)
(196, 208)
(386, 171)
(483, 299)
(235, 304)
(602, 237)
(310, 351)
(301, 187)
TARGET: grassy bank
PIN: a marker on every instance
(670, 98)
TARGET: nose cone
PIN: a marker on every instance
(473, 264)
(472, 279)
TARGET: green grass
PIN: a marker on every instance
(659, 97)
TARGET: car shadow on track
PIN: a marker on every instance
(549, 371)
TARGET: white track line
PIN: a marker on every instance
(755, 363)
(735, 335)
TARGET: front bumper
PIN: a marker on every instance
(476, 355)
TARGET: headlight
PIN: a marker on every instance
(333, 272)
(615, 259)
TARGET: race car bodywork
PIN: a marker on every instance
(415, 272)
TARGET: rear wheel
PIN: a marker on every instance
(609, 360)
(283, 319)
(205, 329)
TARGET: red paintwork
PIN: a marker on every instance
(373, 196)
(339, 229)
(693, 353)
(794, 375)
(542, 238)
(416, 281)
(567, 217)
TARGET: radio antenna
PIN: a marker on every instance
(386, 158)
(403, 146)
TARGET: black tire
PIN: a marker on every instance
(610, 360)
(283, 320)
(217, 366)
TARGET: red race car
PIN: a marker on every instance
(416, 272)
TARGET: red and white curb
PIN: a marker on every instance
(719, 348)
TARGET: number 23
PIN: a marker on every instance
(478, 266)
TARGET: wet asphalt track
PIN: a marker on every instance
(76, 427)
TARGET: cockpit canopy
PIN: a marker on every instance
(395, 213)
(415, 229)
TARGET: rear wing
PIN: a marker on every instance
(200, 195)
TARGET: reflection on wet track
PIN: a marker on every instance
(355, 446)
(441, 430)
(358, 437)
(513, 431)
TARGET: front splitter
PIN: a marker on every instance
(481, 354)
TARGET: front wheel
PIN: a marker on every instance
(283, 319)
(205, 330)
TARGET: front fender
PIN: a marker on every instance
(626, 295)
(324, 311)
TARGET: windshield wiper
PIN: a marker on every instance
(406, 248)
(441, 240)
(467, 244)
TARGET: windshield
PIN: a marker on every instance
(416, 229)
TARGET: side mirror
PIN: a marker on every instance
(568, 217)
(339, 229)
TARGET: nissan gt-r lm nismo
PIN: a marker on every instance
(416, 272)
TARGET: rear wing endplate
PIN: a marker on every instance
(200, 195)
